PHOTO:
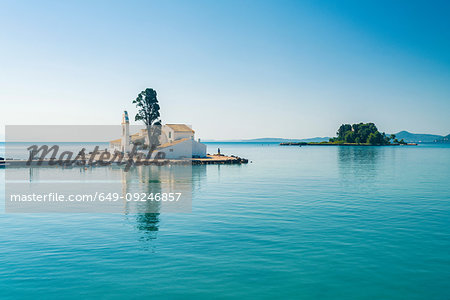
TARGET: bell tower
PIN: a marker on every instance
(125, 144)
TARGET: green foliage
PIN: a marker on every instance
(148, 112)
(376, 138)
(148, 107)
(361, 133)
(342, 131)
(349, 137)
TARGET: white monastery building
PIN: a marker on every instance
(176, 140)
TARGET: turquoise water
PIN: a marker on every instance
(296, 222)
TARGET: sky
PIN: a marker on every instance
(231, 69)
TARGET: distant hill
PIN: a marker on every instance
(267, 140)
(417, 137)
(445, 139)
(405, 135)
(272, 140)
(281, 140)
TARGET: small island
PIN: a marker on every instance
(359, 134)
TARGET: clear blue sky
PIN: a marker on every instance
(232, 69)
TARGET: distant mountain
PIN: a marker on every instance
(281, 140)
(416, 137)
(267, 140)
(271, 140)
(405, 135)
(445, 139)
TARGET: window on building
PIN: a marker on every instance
(170, 150)
(170, 135)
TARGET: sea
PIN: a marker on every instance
(310, 222)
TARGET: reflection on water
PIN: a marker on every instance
(391, 235)
(148, 181)
(198, 177)
(142, 180)
(358, 162)
(148, 224)
(152, 179)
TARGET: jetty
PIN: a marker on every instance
(214, 159)
(219, 159)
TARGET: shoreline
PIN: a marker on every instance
(343, 144)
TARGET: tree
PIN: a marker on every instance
(349, 137)
(363, 130)
(148, 112)
(342, 131)
(372, 139)
(386, 139)
(376, 138)
(360, 133)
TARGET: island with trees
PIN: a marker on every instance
(363, 134)
(360, 134)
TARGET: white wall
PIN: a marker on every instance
(180, 150)
(198, 149)
(185, 149)
(165, 134)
